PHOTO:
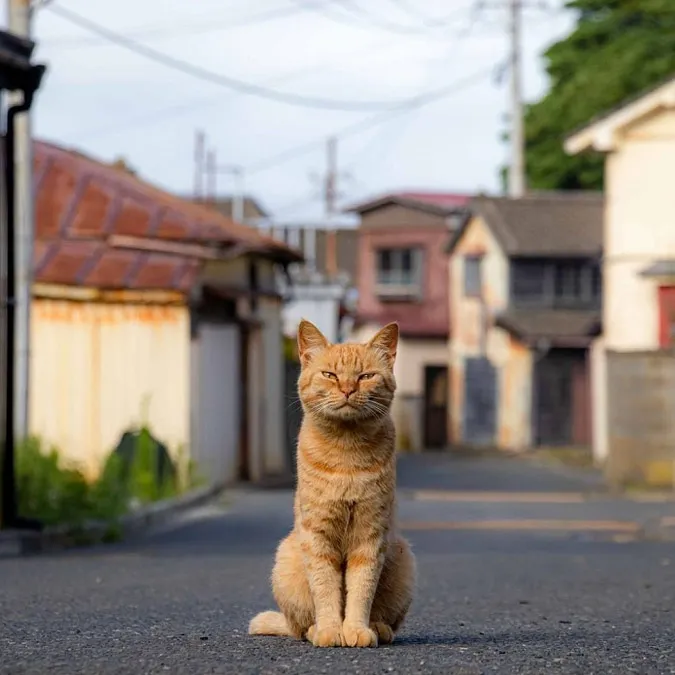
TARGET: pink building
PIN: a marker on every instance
(402, 276)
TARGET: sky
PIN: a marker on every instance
(103, 99)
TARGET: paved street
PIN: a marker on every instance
(522, 570)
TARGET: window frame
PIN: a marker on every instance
(475, 288)
(394, 281)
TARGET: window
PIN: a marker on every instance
(555, 283)
(472, 276)
(569, 286)
(399, 270)
(528, 281)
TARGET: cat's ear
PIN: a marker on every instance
(386, 341)
(310, 340)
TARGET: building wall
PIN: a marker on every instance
(638, 230)
(266, 378)
(641, 424)
(99, 369)
(598, 367)
(273, 392)
(215, 401)
(473, 336)
(428, 315)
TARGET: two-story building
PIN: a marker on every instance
(524, 290)
(402, 276)
(634, 379)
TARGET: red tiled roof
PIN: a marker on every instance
(82, 205)
(95, 264)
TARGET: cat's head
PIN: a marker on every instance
(347, 382)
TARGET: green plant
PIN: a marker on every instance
(57, 495)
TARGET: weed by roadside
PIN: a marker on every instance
(59, 495)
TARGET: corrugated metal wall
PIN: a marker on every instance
(274, 388)
(98, 369)
(216, 405)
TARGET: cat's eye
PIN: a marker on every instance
(329, 375)
(366, 376)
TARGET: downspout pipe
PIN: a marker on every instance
(9, 516)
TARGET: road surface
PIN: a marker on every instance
(522, 570)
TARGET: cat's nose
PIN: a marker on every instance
(348, 391)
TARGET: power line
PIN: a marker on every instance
(182, 108)
(373, 21)
(371, 121)
(229, 82)
(197, 28)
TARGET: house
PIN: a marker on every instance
(524, 289)
(634, 392)
(402, 276)
(151, 308)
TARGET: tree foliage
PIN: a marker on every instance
(618, 49)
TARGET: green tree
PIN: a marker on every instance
(618, 49)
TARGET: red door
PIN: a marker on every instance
(667, 316)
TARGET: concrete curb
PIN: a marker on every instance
(15, 543)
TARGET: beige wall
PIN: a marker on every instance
(598, 365)
(468, 316)
(97, 369)
(639, 228)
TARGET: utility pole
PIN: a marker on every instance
(238, 196)
(238, 193)
(206, 163)
(330, 196)
(517, 185)
(19, 22)
(200, 141)
(211, 177)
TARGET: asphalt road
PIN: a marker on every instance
(507, 585)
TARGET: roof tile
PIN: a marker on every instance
(546, 224)
(80, 202)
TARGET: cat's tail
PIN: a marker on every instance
(269, 623)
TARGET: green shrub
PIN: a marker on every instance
(56, 495)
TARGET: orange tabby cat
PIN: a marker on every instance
(343, 576)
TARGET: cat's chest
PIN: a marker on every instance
(353, 487)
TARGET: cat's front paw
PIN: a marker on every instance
(326, 636)
(358, 635)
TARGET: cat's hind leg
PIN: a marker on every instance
(291, 587)
(394, 591)
(291, 591)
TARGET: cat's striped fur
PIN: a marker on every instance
(343, 576)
